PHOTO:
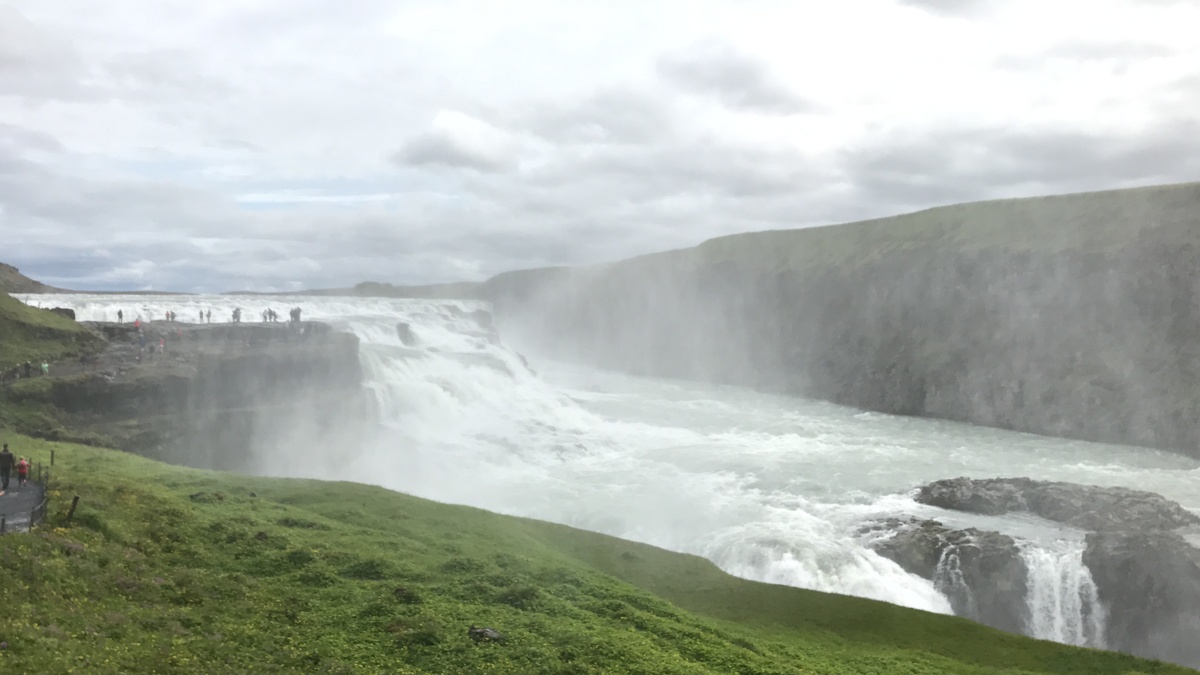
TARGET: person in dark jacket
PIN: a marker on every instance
(6, 465)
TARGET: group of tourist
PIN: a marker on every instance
(171, 316)
(268, 316)
(25, 370)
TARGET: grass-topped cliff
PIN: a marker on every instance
(216, 396)
(32, 334)
(1073, 315)
(174, 570)
(12, 281)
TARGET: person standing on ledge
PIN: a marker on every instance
(6, 465)
(120, 316)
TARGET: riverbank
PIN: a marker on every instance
(174, 570)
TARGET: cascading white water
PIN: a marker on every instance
(948, 579)
(767, 487)
(1064, 605)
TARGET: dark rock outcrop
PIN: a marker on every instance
(981, 572)
(1146, 574)
(64, 312)
(1150, 581)
(1082, 506)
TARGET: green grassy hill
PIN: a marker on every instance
(32, 334)
(174, 570)
(12, 281)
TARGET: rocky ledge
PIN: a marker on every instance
(1085, 507)
(211, 395)
(1146, 574)
(980, 572)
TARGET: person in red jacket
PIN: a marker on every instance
(22, 472)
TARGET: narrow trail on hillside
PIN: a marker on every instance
(17, 504)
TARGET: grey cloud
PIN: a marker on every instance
(1117, 54)
(235, 144)
(16, 140)
(954, 8)
(36, 64)
(612, 116)
(983, 163)
(436, 148)
(614, 172)
(173, 74)
(736, 80)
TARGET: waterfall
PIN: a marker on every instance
(949, 581)
(1063, 602)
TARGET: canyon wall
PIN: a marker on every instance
(1069, 316)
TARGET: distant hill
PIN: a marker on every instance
(463, 290)
(12, 281)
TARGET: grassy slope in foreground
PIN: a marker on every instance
(173, 570)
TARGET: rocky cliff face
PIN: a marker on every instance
(1071, 316)
(224, 397)
(1150, 580)
(980, 572)
(1146, 573)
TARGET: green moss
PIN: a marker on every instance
(174, 570)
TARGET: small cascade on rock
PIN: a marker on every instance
(1064, 605)
(949, 580)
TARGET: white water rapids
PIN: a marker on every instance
(767, 487)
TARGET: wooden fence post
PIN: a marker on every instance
(51, 456)
(71, 513)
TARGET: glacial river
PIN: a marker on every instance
(767, 487)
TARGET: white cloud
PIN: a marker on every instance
(229, 144)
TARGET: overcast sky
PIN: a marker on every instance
(283, 144)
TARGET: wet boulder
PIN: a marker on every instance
(1150, 582)
(1086, 507)
(981, 572)
(406, 335)
(64, 311)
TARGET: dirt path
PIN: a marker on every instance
(17, 503)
